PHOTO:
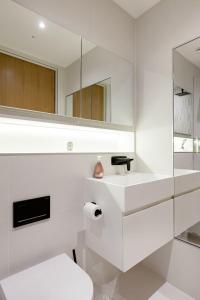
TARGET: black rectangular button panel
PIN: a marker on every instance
(30, 211)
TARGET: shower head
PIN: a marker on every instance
(182, 93)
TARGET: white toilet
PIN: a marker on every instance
(58, 278)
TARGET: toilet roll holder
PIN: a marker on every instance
(98, 212)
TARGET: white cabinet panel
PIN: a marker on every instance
(124, 236)
(145, 232)
(187, 211)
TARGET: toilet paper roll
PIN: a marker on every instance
(92, 211)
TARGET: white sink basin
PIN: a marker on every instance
(134, 191)
(131, 179)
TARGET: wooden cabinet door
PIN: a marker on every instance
(97, 102)
(86, 106)
(26, 85)
(89, 103)
(76, 104)
(82, 103)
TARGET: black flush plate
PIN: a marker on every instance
(30, 211)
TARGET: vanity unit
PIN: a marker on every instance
(187, 199)
(137, 217)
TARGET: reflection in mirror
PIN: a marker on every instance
(107, 92)
(183, 113)
(187, 141)
(35, 60)
(112, 80)
(92, 102)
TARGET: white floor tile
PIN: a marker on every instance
(169, 292)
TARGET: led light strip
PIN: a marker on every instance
(24, 136)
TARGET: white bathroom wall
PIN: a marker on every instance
(28, 176)
(167, 25)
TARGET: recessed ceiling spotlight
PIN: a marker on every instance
(42, 25)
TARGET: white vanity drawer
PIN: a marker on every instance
(187, 211)
(146, 231)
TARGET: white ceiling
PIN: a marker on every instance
(20, 33)
(136, 8)
(189, 52)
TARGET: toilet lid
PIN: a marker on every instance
(58, 278)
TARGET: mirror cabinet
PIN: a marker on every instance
(47, 69)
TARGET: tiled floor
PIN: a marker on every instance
(140, 283)
(165, 292)
(169, 292)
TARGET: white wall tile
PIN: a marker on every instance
(4, 249)
(4, 189)
(37, 242)
(158, 32)
(62, 177)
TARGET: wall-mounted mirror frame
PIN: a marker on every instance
(186, 129)
(99, 85)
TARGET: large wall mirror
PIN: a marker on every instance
(35, 60)
(46, 68)
(106, 74)
(187, 140)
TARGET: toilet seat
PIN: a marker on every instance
(58, 278)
